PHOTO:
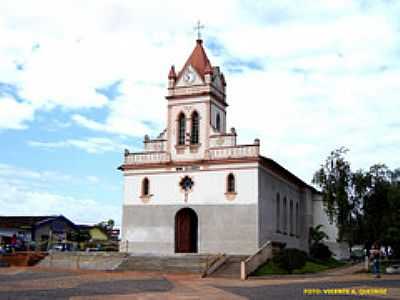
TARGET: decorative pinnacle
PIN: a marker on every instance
(172, 74)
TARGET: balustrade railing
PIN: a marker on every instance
(234, 152)
(147, 157)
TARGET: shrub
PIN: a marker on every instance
(320, 251)
(290, 259)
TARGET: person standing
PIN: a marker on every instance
(375, 258)
(13, 243)
(383, 252)
(389, 252)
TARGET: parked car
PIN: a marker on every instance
(357, 253)
(8, 248)
(93, 249)
(61, 247)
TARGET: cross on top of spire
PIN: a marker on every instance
(198, 28)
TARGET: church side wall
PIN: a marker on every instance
(340, 250)
(269, 186)
(226, 224)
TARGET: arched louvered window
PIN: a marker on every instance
(278, 213)
(181, 129)
(218, 122)
(194, 137)
(284, 216)
(145, 187)
(231, 186)
(291, 217)
(297, 220)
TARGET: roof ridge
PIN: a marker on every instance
(198, 59)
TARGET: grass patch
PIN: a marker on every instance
(269, 269)
(311, 266)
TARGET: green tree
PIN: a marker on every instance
(316, 235)
(376, 206)
(360, 190)
(381, 209)
(334, 179)
(318, 249)
(365, 205)
(392, 234)
(110, 223)
(107, 225)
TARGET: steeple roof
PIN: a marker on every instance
(198, 60)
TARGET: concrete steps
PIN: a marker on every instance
(231, 267)
(105, 261)
(175, 263)
(180, 263)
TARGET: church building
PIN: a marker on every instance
(195, 190)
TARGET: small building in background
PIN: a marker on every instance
(95, 233)
(36, 231)
(114, 234)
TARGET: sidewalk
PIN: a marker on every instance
(340, 271)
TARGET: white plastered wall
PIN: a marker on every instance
(270, 185)
(209, 187)
(188, 106)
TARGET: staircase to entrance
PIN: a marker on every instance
(231, 267)
(182, 262)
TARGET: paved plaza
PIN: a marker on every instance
(39, 283)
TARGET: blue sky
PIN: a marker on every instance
(81, 82)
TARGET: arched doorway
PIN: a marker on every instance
(186, 231)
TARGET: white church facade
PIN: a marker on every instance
(195, 190)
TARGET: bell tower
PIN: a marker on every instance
(196, 106)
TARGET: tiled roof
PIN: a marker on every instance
(198, 60)
(285, 173)
(22, 221)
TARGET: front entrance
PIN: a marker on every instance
(186, 231)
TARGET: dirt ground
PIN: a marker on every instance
(40, 283)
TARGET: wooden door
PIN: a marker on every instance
(186, 231)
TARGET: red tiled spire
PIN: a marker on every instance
(199, 60)
(172, 74)
(208, 69)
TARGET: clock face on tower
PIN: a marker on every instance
(189, 76)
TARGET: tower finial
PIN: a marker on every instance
(198, 28)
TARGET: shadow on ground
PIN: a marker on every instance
(113, 287)
(29, 275)
(295, 290)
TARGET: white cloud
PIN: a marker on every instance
(129, 111)
(12, 172)
(90, 145)
(16, 200)
(13, 114)
(27, 192)
(330, 78)
(66, 53)
(85, 122)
